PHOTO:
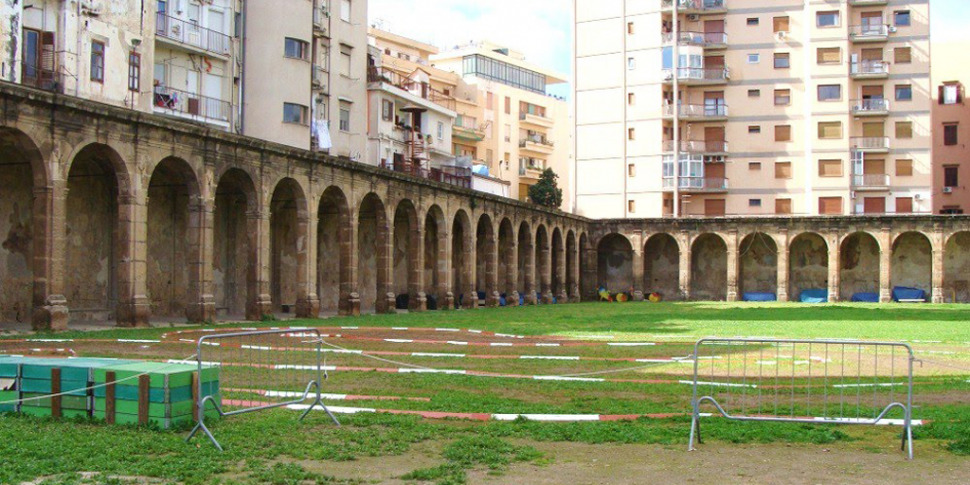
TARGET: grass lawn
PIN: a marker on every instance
(272, 447)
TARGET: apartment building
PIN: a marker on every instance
(951, 131)
(782, 107)
(516, 129)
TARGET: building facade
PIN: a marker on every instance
(789, 107)
(951, 131)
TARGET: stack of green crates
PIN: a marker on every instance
(9, 383)
(75, 381)
(170, 392)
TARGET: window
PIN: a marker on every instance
(754, 58)
(950, 134)
(345, 10)
(631, 63)
(783, 133)
(782, 60)
(951, 210)
(781, 24)
(630, 29)
(903, 55)
(97, 61)
(631, 170)
(441, 130)
(904, 129)
(827, 19)
(631, 206)
(296, 49)
(631, 99)
(904, 168)
(754, 202)
(828, 55)
(782, 206)
(754, 166)
(344, 116)
(508, 105)
(754, 129)
(134, 71)
(387, 110)
(782, 97)
(754, 93)
(631, 134)
(904, 92)
(830, 130)
(752, 21)
(951, 93)
(782, 170)
(830, 168)
(904, 205)
(830, 205)
(901, 18)
(345, 60)
(951, 176)
(294, 113)
(830, 92)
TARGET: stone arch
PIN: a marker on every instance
(235, 239)
(289, 224)
(543, 273)
(405, 250)
(661, 266)
(558, 269)
(956, 268)
(572, 269)
(524, 259)
(507, 264)
(174, 222)
(436, 258)
(708, 268)
(485, 261)
(615, 263)
(463, 260)
(372, 258)
(912, 262)
(757, 264)
(858, 266)
(24, 231)
(808, 265)
(97, 279)
(334, 246)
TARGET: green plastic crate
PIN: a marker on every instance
(130, 393)
(10, 366)
(156, 410)
(9, 396)
(164, 423)
(46, 412)
(74, 388)
(167, 376)
(41, 400)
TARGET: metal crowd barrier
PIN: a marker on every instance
(251, 363)
(804, 381)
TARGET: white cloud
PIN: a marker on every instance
(540, 29)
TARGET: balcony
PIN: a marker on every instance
(698, 75)
(320, 80)
(711, 147)
(321, 18)
(422, 90)
(707, 40)
(869, 33)
(870, 144)
(870, 182)
(537, 144)
(191, 35)
(868, 3)
(869, 70)
(182, 104)
(697, 112)
(535, 119)
(710, 185)
(457, 176)
(870, 107)
(698, 7)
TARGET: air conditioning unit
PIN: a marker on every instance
(918, 197)
(781, 35)
(947, 190)
(892, 29)
(693, 17)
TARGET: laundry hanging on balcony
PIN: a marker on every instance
(321, 129)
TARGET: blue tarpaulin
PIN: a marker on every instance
(866, 297)
(760, 297)
(814, 296)
(904, 293)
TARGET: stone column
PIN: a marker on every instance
(446, 290)
(512, 273)
(685, 265)
(49, 222)
(835, 269)
(938, 241)
(492, 293)
(575, 278)
(885, 265)
(307, 300)
(202, 303)
(134, 308)
(260, 304)
(530, 284)
(470, 270)
(783, 242)
(417, 298)
(638, 271)
(561, 292)
(386, 299)
(545, 274)
(349, 300)
(732, 266)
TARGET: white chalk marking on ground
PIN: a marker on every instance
(51, 340)
(250, 329)
(447, 330)
(343, 351)
(870, 384)
(941, 352)
(631, 344)
(399, 340)
(500, 344)
(720, 384)
(549, 357)
(211, 344)
(709, 357)
(333, 409)
(766, 362)
(662, 361)
(574, 379)
(928, 341)
(475, 331)
(547, 345)
(304, 367)
(455, 342)
(399, 328)
(599, 337)
(301, 335)
(433, 354)
(192, 362)
(349, 328)
(881, 422)
(136, 341)
(547, 417)
(299, 328)
(506, 335)
(406, 370)
(208, 330)
(255, 347)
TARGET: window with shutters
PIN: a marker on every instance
(134, 71)
(828, 55)
(903, 55)
(830, 168)
(345, 7)
(829, 130)
(783, 133)
(344, 116)
(951, 176)
(904, 167)
(904, 205)
(631, 99)
(387, 110)
(508, 105)
(782, 170)
(904, 129)
(97, 61)
(630, 28)
(950, 93)
(782, 97)
(781, 24)
(754, 166)
(950, 134)
(294, 114)
(830, 205)
(782, 60)
(631, 134)
(296, 49)
(782, 206)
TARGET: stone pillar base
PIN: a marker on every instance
(512, 299)
(531, 298)
(418, 302)
(782, 296)
(308, 307)
(135, 313)
(563, 297)
(547, 298)
(638, 295)
(470, 302)
(388, 305)
(53, 316)
(448, 303)
(732, 295)
(260, 308)
(494, 300)
(834, 295)
(938, 296)
(885, 296)
(349, 305)
(203, 311)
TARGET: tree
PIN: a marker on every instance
(546, 191)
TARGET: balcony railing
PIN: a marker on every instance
(870, 180)
(320, 79)
(192, 34)
(864, 106)
(41, 78)
(693, 146)
(538, 140)
(697, 184)
(698, 74)
(458, 176)
(871, 30)
(420, 89)
(699, 5)
(697, 110)
(702, 39)
(870, 68)
(191, 105)
(870, 142)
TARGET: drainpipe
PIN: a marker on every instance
(676, 108)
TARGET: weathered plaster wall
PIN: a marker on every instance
(402, 248)
(709, 269)
(328, 260)
(615, 264)
(16, 239)
(522, 255)
(285, 243)
(758, 258)
(91, 231)
(168, 248)
(912, 262)
(231, 247)
(956, 266)
(661, 267)
(367, 259)
(431, 250)
(859, 266)
(506, 258)
(808, 265)
(458, 258)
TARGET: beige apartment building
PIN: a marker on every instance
(781, 107)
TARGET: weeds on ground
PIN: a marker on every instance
(474, 452)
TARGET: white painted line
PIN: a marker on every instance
(333, 409)
(547, 417)
(661, 361)
(881, 422)
(406, 370)
(474, 331)
(447, 330)
(599, 337)
(547, 345)
(506, 335)
(940, 352)
(192, 362)
(301, 335)
(885, 384)
(399, 340)
(136, 341)
(561, 378)
(500, 344)
(304, 367)
(720, 384)
(631, 344)
(549, 357)
(432, 354)
(186, 340)
(399, 328)
(453, 342)
(343, 351)
(299, 328)
(250, 329)
(708, 357)
(349, 328)
(211, 344)
(50, 340)
(255, 347)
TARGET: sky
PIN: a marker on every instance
(542, 29)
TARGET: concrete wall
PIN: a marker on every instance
(709, 268)
(615, 264)
(957, 268)
(759, 264)
(859, 265)
(809, 265)
(16, 234)
(661, 266)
